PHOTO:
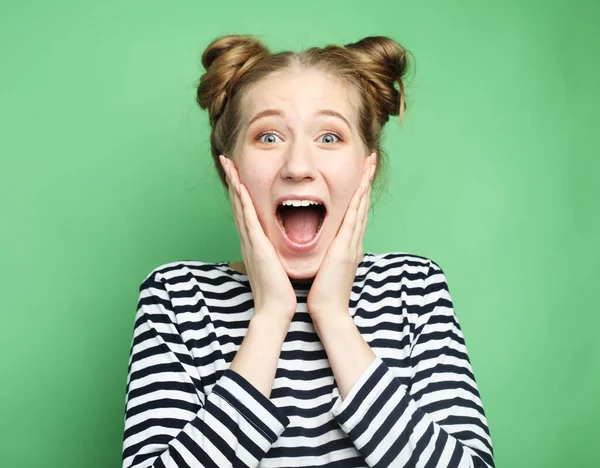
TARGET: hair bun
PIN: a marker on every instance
(382, 62)
(226, 59)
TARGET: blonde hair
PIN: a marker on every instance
(370, 66)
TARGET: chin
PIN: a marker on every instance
(302, 268)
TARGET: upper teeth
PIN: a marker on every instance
(299, 202)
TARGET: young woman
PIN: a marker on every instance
(307, 352)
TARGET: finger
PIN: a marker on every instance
(232, 198)
(255, 229)
(359, 244)
(364, 180)
(371, 174)
(235, 177)
(360, 215)
(362, 212)
(240, 221)
(346, 230)
(236, 206)
(239, 208)
(368, 207)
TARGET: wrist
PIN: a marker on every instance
(323, 323)
(270, 321)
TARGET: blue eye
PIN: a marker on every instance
(335, 135)
(265, 134)
(273, 135)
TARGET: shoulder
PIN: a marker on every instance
(399, 263)
(179, 272)
(422, 284)
(417, 276)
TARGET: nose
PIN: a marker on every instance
(298, 164)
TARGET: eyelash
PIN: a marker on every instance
(328, 132)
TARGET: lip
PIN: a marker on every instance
(301, 248)
(291, 245)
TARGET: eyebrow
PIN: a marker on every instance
(280, 113)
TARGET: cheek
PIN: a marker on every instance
(259, 186)
(344, 181)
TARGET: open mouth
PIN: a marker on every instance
(301, 222)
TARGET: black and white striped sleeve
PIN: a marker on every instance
(439, 421)
(169, 421)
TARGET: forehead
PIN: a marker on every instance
(299, 94)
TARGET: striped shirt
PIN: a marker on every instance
(416, 405)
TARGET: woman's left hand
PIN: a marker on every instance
(329, 295)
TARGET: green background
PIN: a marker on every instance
(106, 174)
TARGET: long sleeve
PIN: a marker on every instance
(169, 420)
(436, 421)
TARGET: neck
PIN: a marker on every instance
(241, 268)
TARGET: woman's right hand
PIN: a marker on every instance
(272, 290)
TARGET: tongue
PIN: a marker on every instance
(300, 223)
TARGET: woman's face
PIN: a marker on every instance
(299, 140)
